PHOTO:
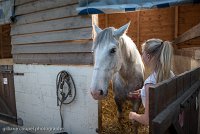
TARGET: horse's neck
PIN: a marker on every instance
(129, 58)
(131, 72)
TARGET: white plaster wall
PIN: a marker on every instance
(36, 100)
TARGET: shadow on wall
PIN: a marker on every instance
(183, 63)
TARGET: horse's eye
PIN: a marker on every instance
(113, 50)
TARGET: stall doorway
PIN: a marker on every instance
(7, 92)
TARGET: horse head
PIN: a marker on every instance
(107, 58)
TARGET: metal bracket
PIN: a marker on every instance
(20, 74)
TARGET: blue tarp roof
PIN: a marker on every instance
(121, 6)
(6, 11)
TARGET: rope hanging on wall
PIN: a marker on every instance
(66, 90)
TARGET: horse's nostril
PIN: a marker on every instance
(91, 93)
(101, 92)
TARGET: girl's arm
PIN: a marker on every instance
(142, 118)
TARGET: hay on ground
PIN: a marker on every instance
(110, 123)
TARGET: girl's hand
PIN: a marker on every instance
(135, 94)
(131, 115)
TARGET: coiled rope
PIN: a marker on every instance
(66, 90)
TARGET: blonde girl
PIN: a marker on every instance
(157, 56)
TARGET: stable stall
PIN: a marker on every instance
(176, 21)
(45, 37)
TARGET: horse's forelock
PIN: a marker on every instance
(105, 36)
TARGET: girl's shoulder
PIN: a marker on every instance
(151, 79)
(171, 74)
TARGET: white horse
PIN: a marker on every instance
(116, 58)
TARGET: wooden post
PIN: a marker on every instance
(1, 42)
(138, 31)
(176, 22)
(151, 107)
(176, 25)
(106, 20)
(179, 85)
(99, 117)
(99, 129)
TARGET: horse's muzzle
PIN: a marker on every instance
(98, 94)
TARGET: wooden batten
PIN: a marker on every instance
(52, 25)
(63, 58)
(40, 5)
(192, 33)
(138, 29)
(53, 36)
(54, 47)
(21, 2)
(45, 15)
(176, 22)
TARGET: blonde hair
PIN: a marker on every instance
(161, 53)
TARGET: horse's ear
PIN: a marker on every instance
(119, 32)
(97, 29)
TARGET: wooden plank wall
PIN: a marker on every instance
(189, 16)
(51, 32)
(165, 23)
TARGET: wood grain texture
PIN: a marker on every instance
(194, 32)
(41, 5)
(21, 2)
(65, 58)
(51, 14)
(64, 35)
(169, 99)
(54, 47)
(52, 25)
(165, 23)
